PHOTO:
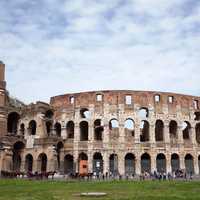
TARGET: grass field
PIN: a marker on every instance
(123, 190)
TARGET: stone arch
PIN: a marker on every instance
(49, 127)
(145, 163)
(69, 164)
(159, 130)
(161, 163)
(144, 131)
(12, 123)
(83, 131)
(129, 127)
(197, 130)
(186, 129)
(97, 163)
(113, 124)
(143, 113)
(189, 164)
(28, 163)
(32, 127)
(70, 129)
(59, 147)
(42, 162)
(175, 162)
(18, 147)
(58, 129)
(98, 130)
(199, 163)
(113, 164)
(85, 113)
(173, 127)
(83, 164)
(129, 164)
(22, 129)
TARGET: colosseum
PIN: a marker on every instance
(109, 132)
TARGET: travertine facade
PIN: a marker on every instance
(118, 132)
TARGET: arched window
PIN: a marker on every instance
(144, 129)
(97, 163)
(197, 130)
(58, 129)
(70, 129)
(130, 164)
(48, 127)
(113, 165)
(161, 163)
(42, 162)
(32, 127)
(175, 162)
(69, 164)
(143, 113)
(186, 128)
(12, 123)
(129, 127)
(83, 131)
(85, 113)
(189, 164)
(159, 130)
(28, 163)
(173, 129)
(98, 130)
(113, 124)
(146, 163)
(22, 129)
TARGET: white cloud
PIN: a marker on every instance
(54, 47)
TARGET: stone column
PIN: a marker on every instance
(90, 162)
(180, 135)
(105, 163)
(153, 163)
(137, 132)
(23, 160)
(62, 157)
(196, 165)
(182, 161)
(168, 164)
(121, 164)
(76, 132)
(137, 164)
(7, 164)
(90, 132)
(193, 136)
(152, 133)
(166, 133)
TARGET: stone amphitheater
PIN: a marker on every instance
(102, 132)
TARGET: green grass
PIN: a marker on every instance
(119, 190)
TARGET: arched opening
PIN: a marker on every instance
(83, 131)
(199, 163)
(173, 130)
(186, 127)
(145, 163)
(130, 164)
(70, 129)
(32, 127)
(129, 127)
(144, 131)
(197, 130)
(143, 113)
(42, 162)
(29, 163)
(69, 164)
(98, 130)
(159, 131)
(113, 124)
(58, 129)
(113, 164)
(97, 164)
(12, 123)
(48, 127)
(83, 164)
(59, 147)
(161, 163)
(175, 162)
(197, 116)
(189, 164)
(49, 114)
(16, 158)
(22, 129)
(85, 113)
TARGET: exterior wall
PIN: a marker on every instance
(119, 141)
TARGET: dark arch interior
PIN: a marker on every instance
(161, 163)
(130, 164)
(12, 123)
(32, 127)
(70, 129)
(146, 163)
(69, 164)
(58, 129)
(84, 131)
(98, 130)
(42, 159)
(144, 137)
(159, 130)
(97, 163)
(173, 129)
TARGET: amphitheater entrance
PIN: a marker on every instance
(83, 164)
(175, 162)
(16, 158)
(161, 163)
(29, 163)
(159, 131)
(98, 130)
(189, 164)
(97, 164)
(83, 131)
(113, 164)
(68, 164)
(145, 163)
(130, 164)
(173, 127)
(12, 123)
(42, 162)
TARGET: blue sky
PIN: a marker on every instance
(52, 47)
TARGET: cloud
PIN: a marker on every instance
(55, 47)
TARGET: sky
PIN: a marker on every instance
(53, 47)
